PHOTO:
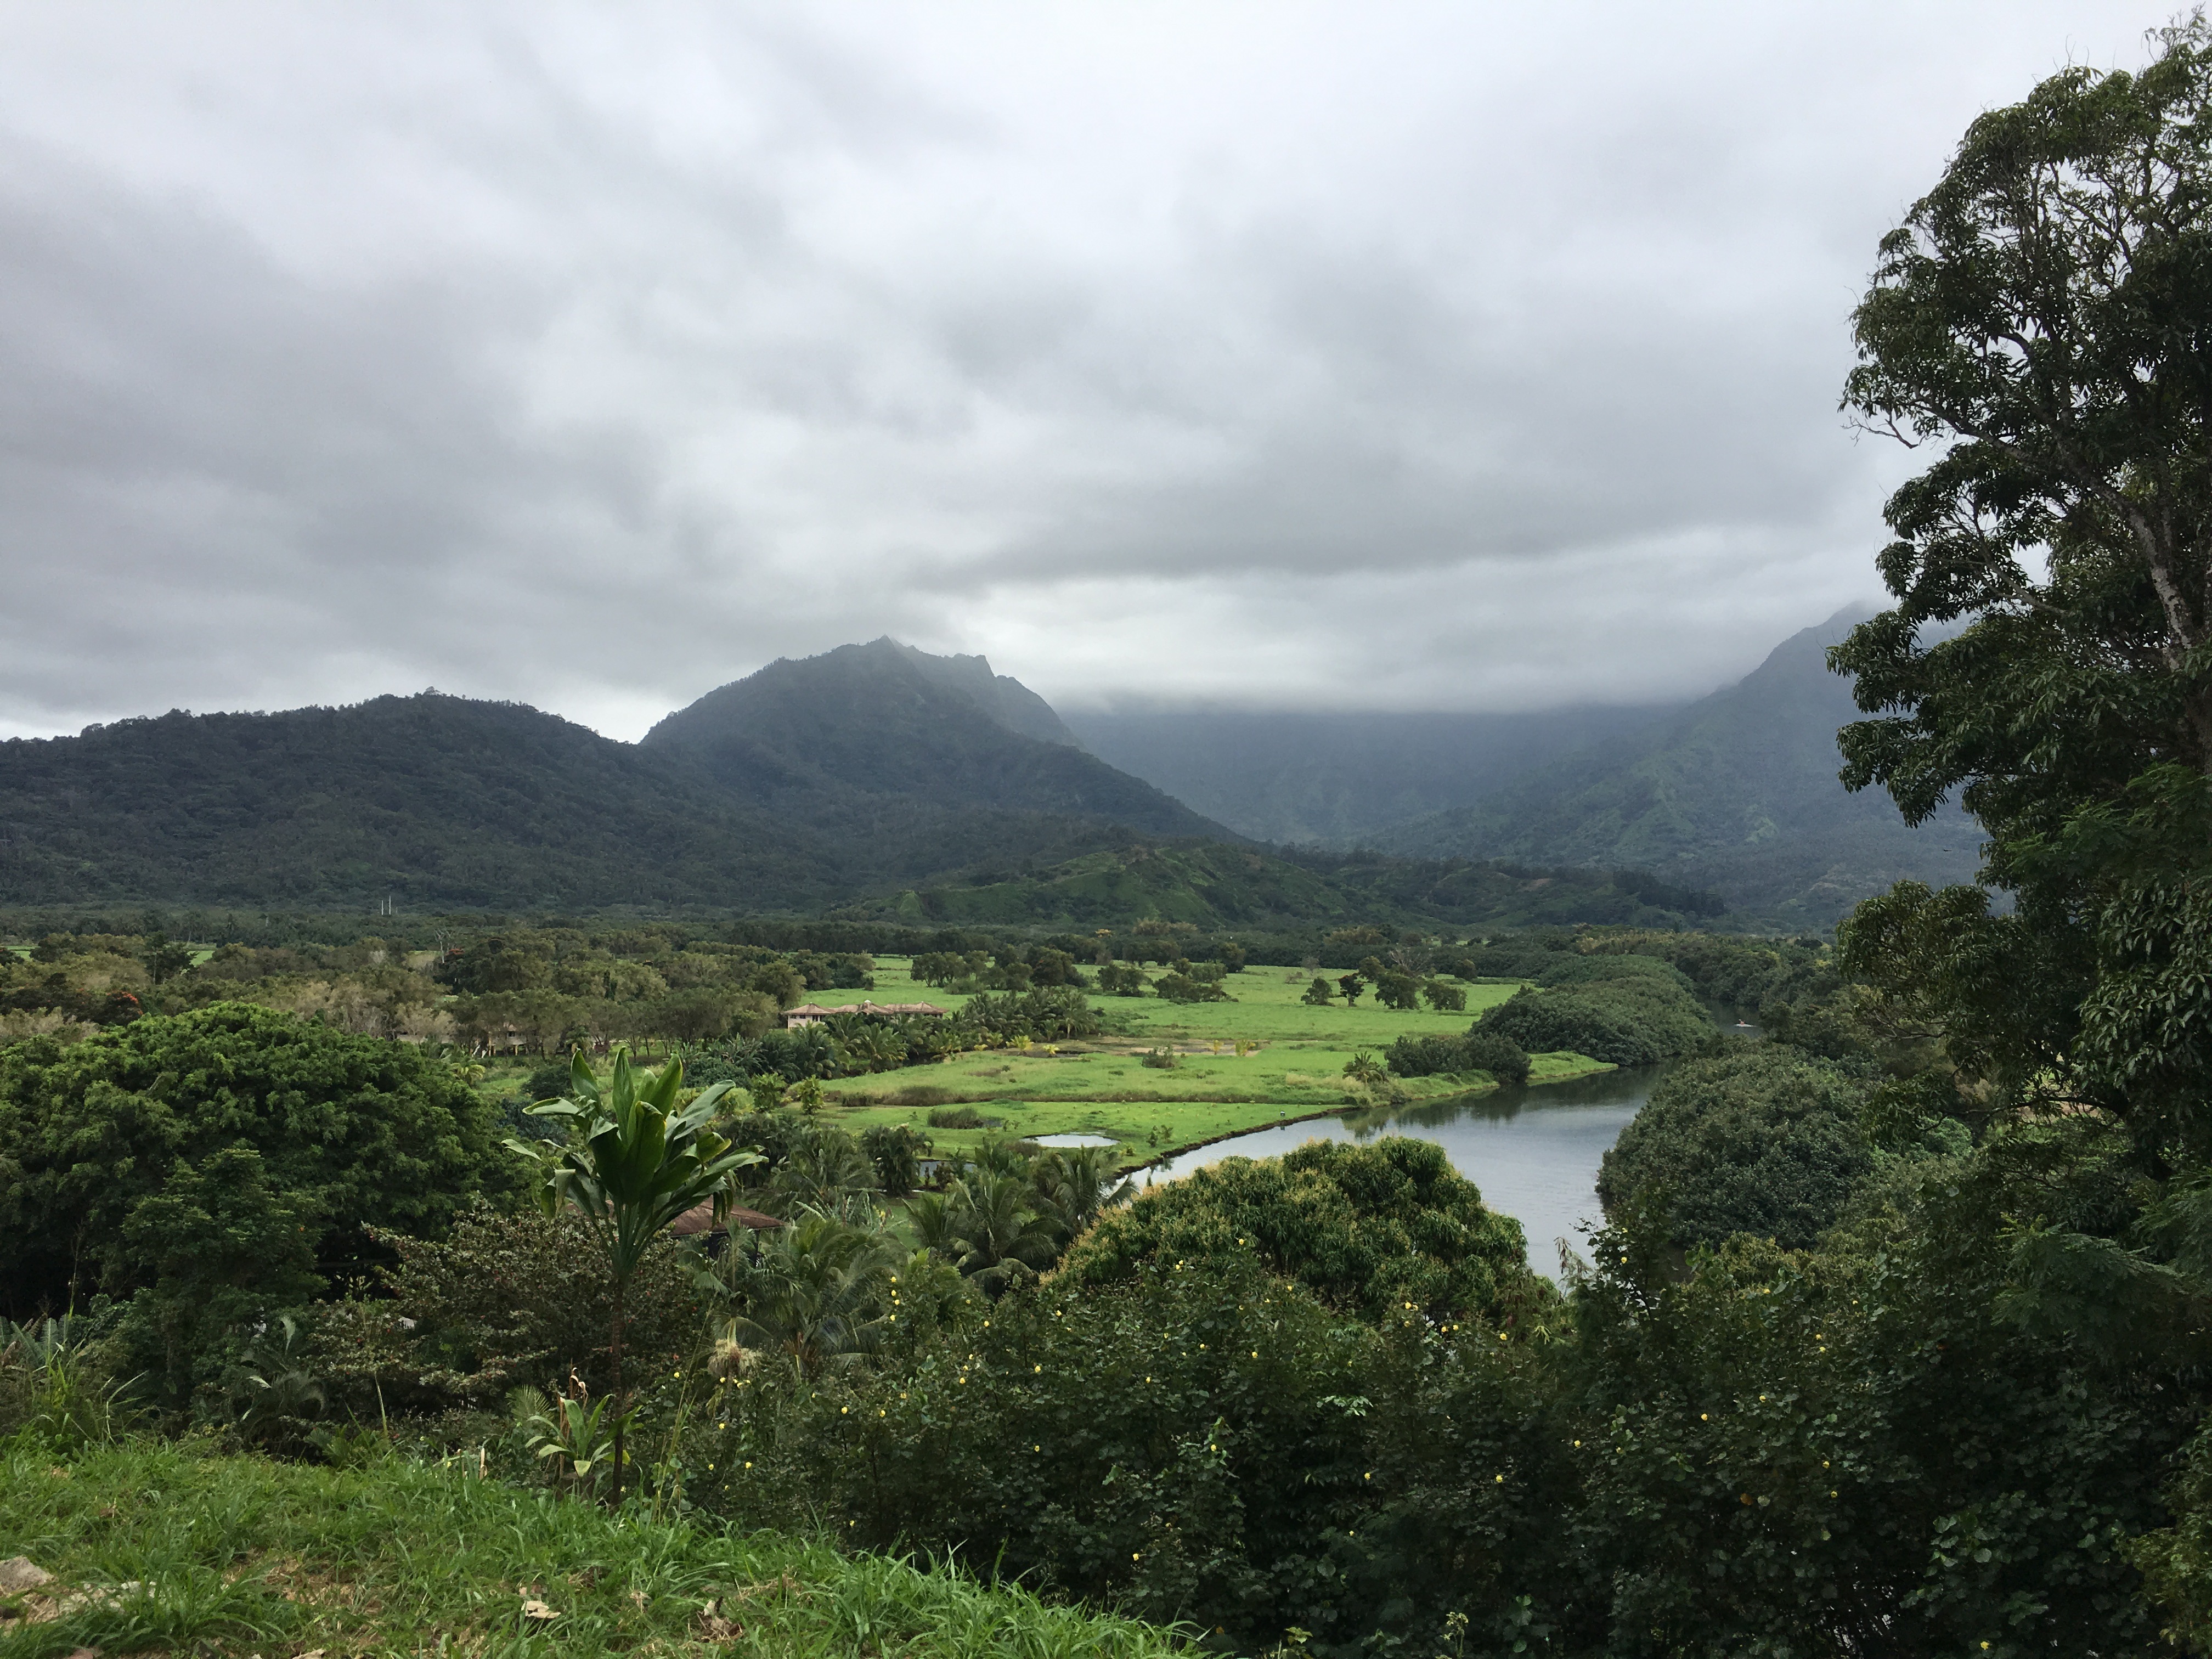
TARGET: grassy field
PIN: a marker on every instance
(155, 1547)
(1100, 1085)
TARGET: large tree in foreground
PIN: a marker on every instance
(2041, 324)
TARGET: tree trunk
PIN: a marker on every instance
(621, 1393)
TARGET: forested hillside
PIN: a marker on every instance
(885, 720)
(875, 780)
(1212, 885)
(432, 799)
(810, 783)
(1738, 792)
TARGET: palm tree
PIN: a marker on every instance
(1073, 1184)
(932, 1217)
(818, 1294)
(635, 1160)
(822, 1170)
(1365, 1070)
(877, 1046)
(998, 1238)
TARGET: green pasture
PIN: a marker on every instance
(1293, 1067)
(1101, 1086)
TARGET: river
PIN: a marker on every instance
(1533, 1151)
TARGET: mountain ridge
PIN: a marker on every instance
(884, 717)
(1738, 792)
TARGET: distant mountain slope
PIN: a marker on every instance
(808, 784)
(885, 720)
(436, 798)
(1736, 792)
(1334, 780)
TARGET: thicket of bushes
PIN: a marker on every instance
(1767, 1141)
(1623, 1010)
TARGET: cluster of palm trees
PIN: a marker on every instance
(1007, 1216)
(830, 1286)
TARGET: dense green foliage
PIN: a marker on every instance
(1221, 887)
(506, 1298)
(316, 1133)
(1626, 1010)
(1372, 1228)
(1489, 1053)
(1200, 1443)
(1765, 1140)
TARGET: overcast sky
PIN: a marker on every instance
(1402, 355)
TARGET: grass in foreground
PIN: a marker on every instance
(243, 1555)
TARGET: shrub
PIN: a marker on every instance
(1370, 1228)
(1478, 1050)
(1184, 987)
(1199, 1443)
(896, 1150)
(1637, 1019)
(505, 1299)
(1399, 991)
(342, 1132)
(1766, 1141)
(1045, 1015)
(1445, 998)
(955, 1117)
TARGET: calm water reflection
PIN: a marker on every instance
(1533, 1151)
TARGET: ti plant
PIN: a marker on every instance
(635, 1159)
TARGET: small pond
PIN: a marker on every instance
(1533, 1151)
(1072, 1140)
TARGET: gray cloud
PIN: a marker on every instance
(1325, 355)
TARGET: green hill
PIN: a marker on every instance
(867, 770)
(1738, 792)
(435, 800)
(883, 719)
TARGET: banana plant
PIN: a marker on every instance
(634, 1160)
